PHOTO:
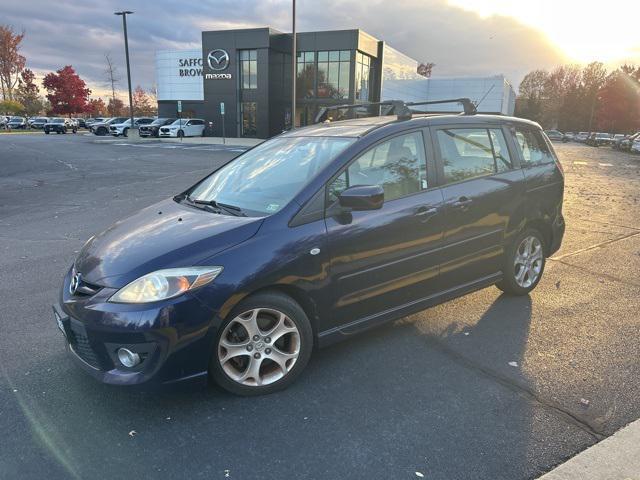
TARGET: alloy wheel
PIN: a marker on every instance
(528, 261)
(259, 347)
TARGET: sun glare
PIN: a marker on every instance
(583, 30)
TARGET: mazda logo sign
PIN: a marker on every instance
(74, 284)
(218, 59)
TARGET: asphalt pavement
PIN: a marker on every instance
(482, 387)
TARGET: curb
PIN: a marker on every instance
(614, 458)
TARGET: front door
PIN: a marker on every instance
(386, 258)
(482, 191)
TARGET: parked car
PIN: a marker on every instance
(308, 238)
(117, 129)
(598, 139)
(635, 146)
(554, 135)
(568, 137)
(625, 143)
(90, 121)
(102, 128)
(38, 122)
(60, 125)
(17, 123)
(81, 122)
(3, 121)
(582, 136)
(184, 127)
(153, 128)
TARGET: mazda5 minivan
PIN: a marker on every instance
(309, 238)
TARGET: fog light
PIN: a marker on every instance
(128, 358)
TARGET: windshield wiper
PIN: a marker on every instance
(229, 209)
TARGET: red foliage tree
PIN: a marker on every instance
(11, 62)
(97, 107)
(67, 92)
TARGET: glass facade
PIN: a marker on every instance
(364, 75)
(248, 112)
(306, 75)
(334, 74)
(248, 69)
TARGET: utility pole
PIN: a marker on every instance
(294, 69)
(126, 51)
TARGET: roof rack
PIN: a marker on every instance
(398, 107)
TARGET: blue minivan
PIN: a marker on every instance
(308, 238)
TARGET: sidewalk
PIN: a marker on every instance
(614, 458)
(238, 142)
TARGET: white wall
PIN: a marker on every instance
(495, 94)
(179, 75)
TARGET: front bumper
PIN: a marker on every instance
(173, 338)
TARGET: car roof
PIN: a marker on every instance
(360, 127)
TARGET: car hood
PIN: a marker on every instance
(165, 235)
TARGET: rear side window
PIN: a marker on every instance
(472, 152)
(397, 165)
(533, 148)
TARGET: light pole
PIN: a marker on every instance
(126, 51)
(294, 72)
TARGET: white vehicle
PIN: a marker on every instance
(582, 137)
(117, 129)
(635, 146)
(184, 127)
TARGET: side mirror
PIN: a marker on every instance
(362, 197)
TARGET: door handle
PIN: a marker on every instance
(462, 203)
(425, 210)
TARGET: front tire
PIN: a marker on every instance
(180, 134)
(263, 345)
(523, 264)
(46, 132)
(125, 133)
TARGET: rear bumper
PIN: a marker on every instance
(557, 233)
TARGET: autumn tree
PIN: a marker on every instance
(67, 92)
(531, 95)
(97, 107)
(142, 104)
(619, 103)
(11, 107)
(27, 93)
(11, 62)
(115, 108)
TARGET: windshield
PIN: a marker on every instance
(57, 120)
(161, 121)
(16, 119)
(181, 121)
(266, 178)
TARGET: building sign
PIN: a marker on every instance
(190, 67)
(179, 75)
(218, 60)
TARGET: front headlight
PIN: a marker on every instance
(164, 284)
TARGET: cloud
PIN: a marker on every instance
(458, 41)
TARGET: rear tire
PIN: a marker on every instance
(259, 364)
(46, 132)
(524, 263)
(125, 133)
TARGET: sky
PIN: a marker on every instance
(462, 37)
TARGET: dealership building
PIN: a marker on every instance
(239, 82)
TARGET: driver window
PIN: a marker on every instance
(397, 165)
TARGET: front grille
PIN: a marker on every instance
(80, 344)
(164, 130)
